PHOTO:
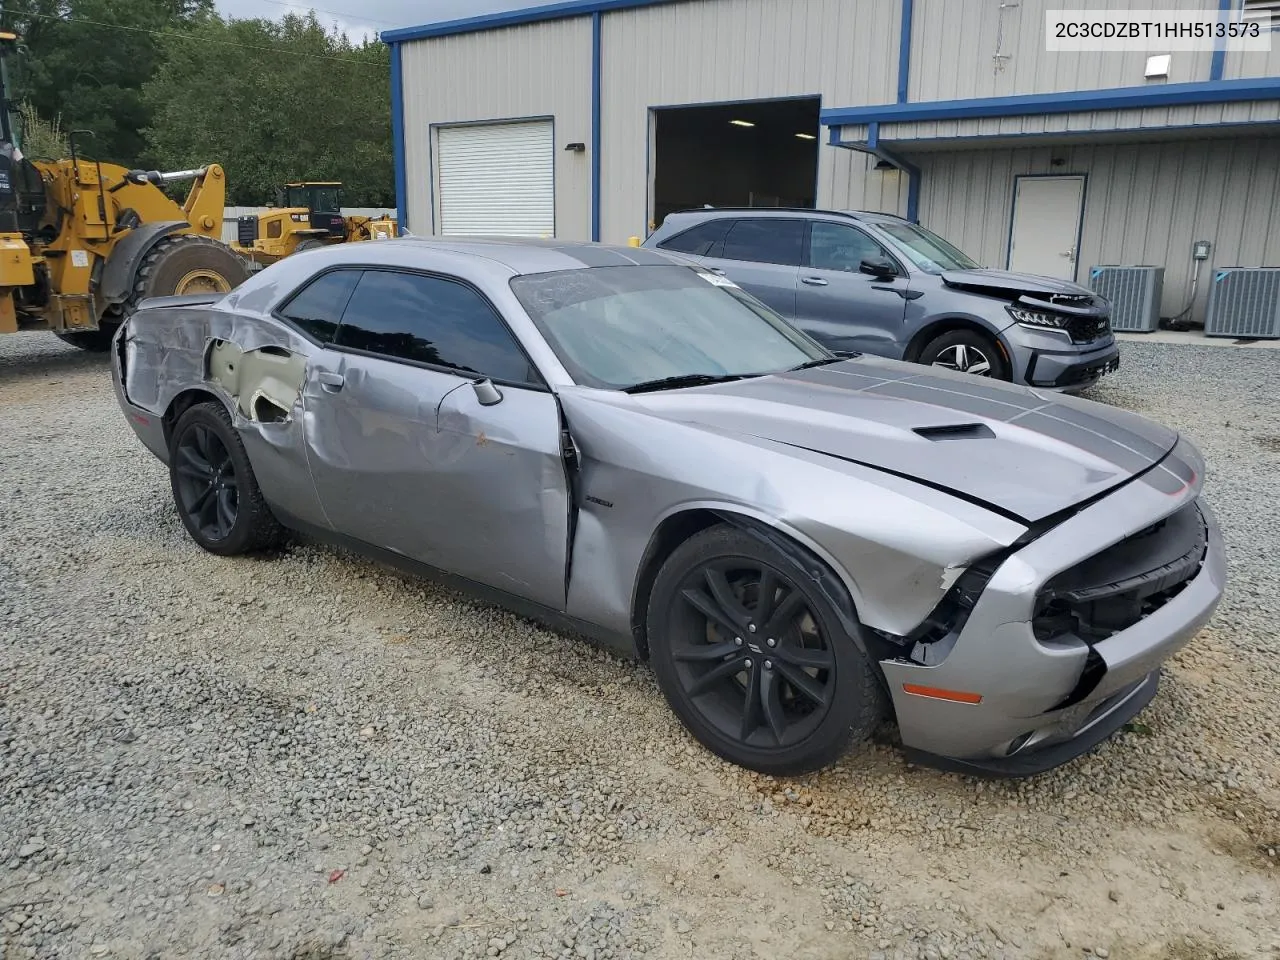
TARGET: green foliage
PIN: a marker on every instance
(41, 138)
(276, 102)
(88, 59)
(170, 84)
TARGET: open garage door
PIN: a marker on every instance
(763, 153)
(496, 179)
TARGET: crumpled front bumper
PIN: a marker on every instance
(1015, 729)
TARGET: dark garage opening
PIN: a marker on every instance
(758, 154)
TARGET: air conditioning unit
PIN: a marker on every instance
(1244, 302)
(1134, 293)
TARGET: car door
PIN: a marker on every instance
(843, 307)
(762, 255)
(411, 454)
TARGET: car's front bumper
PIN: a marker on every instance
(1049, 360)
(1018, 728)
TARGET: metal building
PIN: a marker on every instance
(592, 119)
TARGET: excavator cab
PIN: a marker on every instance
(323, 202)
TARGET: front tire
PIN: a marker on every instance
(213, 485)
(966, 351)
(755, 663)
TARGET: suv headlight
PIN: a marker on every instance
(1038, 318)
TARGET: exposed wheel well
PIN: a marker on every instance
(181, 404)
(938, 328)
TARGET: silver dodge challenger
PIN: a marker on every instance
(621, 444)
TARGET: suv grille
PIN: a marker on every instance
(1088, 329)
(1114, 589)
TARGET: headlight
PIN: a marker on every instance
(1038, 318)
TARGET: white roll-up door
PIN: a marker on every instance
(496, 179)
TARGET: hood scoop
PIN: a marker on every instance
(956, 431)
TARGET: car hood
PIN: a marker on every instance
(1003, 283)
(1020, 452)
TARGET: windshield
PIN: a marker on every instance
(616, 327)
(926, 249)
(319, 199)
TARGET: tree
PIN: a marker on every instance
(41, 138)
(87, 60)
(276, 102)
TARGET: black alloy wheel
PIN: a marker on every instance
(756, 663)
(207, 488)
(214, 487)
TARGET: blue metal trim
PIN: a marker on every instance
(1081, 136)
(397, 136)
(512, 18)
(1218, 65)
(1013, 212)
(596, 43)
(904, 49)
(1116, 98)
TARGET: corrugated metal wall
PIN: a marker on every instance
(537, 70)
(1152, 118)
(955, 43)
(1144, 204)
(707, 51)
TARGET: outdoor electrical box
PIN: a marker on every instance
(1201, 250)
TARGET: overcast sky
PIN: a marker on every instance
(367, 17)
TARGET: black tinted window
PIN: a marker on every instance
(317, 308)
(833, 246)
(700, 240)
(431, 320)
(766, 241)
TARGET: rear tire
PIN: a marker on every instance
(967, 351)
(214, 489)
(756, 664)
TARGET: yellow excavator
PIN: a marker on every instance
(308, 215)
(82, 242)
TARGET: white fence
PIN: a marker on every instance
(229, 215)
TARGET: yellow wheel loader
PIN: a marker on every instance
(309, 215)
(82, 242)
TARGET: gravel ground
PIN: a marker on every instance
(307, 756)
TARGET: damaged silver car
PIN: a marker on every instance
(626, 445)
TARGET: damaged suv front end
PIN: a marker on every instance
(1037, 655)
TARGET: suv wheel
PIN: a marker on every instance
(968, 352)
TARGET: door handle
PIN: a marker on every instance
(814, 281)
(330, 382)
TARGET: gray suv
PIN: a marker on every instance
(878, 284)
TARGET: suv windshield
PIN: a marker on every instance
(617, 327)
(926, 249)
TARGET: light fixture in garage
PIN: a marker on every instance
(1158, 66)
(576, 147)
(885, 165)
(742, 123)
(806, 136)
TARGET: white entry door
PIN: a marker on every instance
(496, 179)
(1046, 226)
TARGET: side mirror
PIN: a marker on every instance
(486, 392)
(878, 268)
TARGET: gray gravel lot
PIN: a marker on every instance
(308, 756)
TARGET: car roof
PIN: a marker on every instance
(530, 255)
(865, 216)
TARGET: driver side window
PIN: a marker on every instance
(834, 246)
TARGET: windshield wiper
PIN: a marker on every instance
(684, 380)
(823, 361)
